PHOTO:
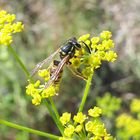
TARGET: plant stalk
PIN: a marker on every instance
(54, 108)
(57, 122)
(19, 61)
(86, 92)
(23, 128)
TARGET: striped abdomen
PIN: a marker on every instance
(53, 70)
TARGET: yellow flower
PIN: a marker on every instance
(110, 56)
(36, 99)
(69, 131)
(48, 92)
(89, 126)
(94, 61)
(87, 42)
(105, 34)
(84, 37)
(31, 90)
(7, 29)
(10, 18)
(101, 55)
(65, 118)
(107, 44)
(95, 112)
(95, 40)
(17, 27)
(100, 47)
(99, 130)
(5, 39)
(78, 128)
(79, 118)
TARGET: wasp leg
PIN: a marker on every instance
(76, 73)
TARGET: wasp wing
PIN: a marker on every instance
(57, 71)
(45, 61)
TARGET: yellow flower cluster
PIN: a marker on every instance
(84, 126)
(128, 126)
(8, 27)
(38, 90)
(94, 50)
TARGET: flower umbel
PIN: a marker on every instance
(8, 27)
(37, 89)
(88, 126)
(94, 51)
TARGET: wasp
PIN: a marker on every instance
(66, 52)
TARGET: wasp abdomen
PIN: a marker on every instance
(53, 70)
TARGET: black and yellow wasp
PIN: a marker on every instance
(66, 52)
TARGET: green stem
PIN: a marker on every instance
(44, 134)
(19, 61)
(54, 108)
(86, 91)
(56, 112)
(57, 122)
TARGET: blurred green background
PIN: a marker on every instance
(49, 23)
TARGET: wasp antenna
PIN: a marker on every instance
(86, 46)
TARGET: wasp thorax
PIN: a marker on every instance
(69, 48)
